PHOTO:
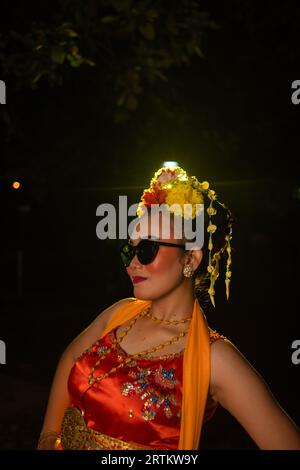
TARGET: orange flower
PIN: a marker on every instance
(154, 197)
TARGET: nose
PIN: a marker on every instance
(134, 263)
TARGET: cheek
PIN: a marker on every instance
(165, 261)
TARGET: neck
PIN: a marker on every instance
(175, 305)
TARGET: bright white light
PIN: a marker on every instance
(170, 164)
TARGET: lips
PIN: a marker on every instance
(137, 279)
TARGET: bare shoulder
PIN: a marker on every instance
(224, 349)
(227, 365)
(93, 332)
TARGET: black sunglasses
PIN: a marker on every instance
(146, 251)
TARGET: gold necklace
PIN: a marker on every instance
(133, 357)
(116, 341)
(166, 322)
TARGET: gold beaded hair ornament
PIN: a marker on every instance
(173, 187)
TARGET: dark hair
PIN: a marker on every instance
(223, 220)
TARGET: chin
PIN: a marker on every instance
(142, 294)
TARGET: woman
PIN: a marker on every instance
(148, 372)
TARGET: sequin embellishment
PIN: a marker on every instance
(151, 385)
(102, 350)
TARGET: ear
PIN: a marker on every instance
(196, 256)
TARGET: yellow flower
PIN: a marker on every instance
(183, 193)
(177, 195)
(204, 185)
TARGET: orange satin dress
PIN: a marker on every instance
(139, 403)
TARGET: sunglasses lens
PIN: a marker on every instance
(147, 250)
(127, 254)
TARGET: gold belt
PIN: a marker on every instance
(76, 435)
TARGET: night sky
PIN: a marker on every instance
(226, 115)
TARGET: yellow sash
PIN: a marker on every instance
(196, 369)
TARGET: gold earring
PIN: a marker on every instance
(188, 271)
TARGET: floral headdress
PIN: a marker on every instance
(173, 187)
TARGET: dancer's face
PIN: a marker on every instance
(165, 273)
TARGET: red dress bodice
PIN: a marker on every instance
(139, 403)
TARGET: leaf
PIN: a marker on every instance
(74, 61)
(71, 33)
(67, 29)
(37, 77)
(90, 62)
(161, 75)
(147, 31)
(199, 52)
(109, 19)
(58, 54)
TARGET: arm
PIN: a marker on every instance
(57, 403)
(59, 396)
(238, 387)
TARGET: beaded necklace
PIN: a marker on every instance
(166, 322)
(133, 357)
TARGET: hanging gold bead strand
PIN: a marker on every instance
(211, 229)
(115, 343)
(228, 271)
(133, 357)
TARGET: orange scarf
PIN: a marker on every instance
(196, 369)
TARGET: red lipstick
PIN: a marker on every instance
(137, 279)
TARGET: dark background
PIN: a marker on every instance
(79, 138)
